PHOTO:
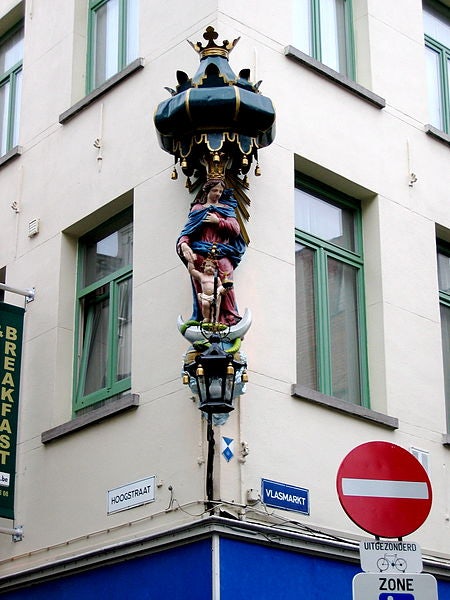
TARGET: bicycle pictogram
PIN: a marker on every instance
(392, 561)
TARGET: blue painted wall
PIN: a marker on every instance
(247, 572)
(181, 573)
(250, 571)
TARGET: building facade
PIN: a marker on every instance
(346, 275)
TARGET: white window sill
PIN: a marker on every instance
(117, 406)
(437, 134)
(136, 65)
(13, 153)
(352, 410)
(332, 75)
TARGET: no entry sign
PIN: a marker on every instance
(384, 489)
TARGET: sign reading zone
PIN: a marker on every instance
(369, 586)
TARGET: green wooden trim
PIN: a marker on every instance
(317, 40)
(323, 252)
(83, 339)
(122, 33)
(444, 77)
(322, 311)
(10, 77)
(350, 39)
(104, 281)
(315, 30)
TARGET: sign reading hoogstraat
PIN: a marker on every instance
(131, 495)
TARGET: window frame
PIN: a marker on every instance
(443, 53)
(84, 317)
(10, 77)
(325, 250)
(122, 42)
(444, 300)
(317, 45)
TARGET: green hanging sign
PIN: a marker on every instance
(11, 330)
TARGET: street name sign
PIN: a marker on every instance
(384, 489)
(390, 556)
(287, 497)
(372, 586)
(131, 495)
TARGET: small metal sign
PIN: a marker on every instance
(288, 497)
(409, 586)
(131, 495)
(390, 556)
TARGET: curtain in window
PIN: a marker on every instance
(95, 353)
(124, 330)
(306, 322)
(343, 331)
(106, 41)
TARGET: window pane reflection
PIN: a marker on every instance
(344, 331)
(109, 254)
(434, 87)
(106, 42)
(323, 219)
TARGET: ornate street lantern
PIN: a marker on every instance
(215, 371)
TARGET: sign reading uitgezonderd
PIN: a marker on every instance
(11, 331)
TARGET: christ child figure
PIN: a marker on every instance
(206, 296)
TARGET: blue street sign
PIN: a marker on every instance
(288, 497)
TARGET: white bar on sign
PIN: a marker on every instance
(382, 488)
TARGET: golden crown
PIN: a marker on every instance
(211, 48)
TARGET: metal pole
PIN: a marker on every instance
(214, 314)
(16, 532)
(29, 294)
(210, 465)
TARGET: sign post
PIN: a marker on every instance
(385, 490)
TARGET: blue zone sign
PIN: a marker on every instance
(288, 497)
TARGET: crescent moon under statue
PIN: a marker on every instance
(193, 333)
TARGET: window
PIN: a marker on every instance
(443, 263)
(11, 54)
(437, 48)
(113, 38)
(103, 367)
(331, 349)
(323, 29)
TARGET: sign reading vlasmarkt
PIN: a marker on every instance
(288, 497)
(131, 495)
(11, 330)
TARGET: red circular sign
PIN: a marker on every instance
(384, 489)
